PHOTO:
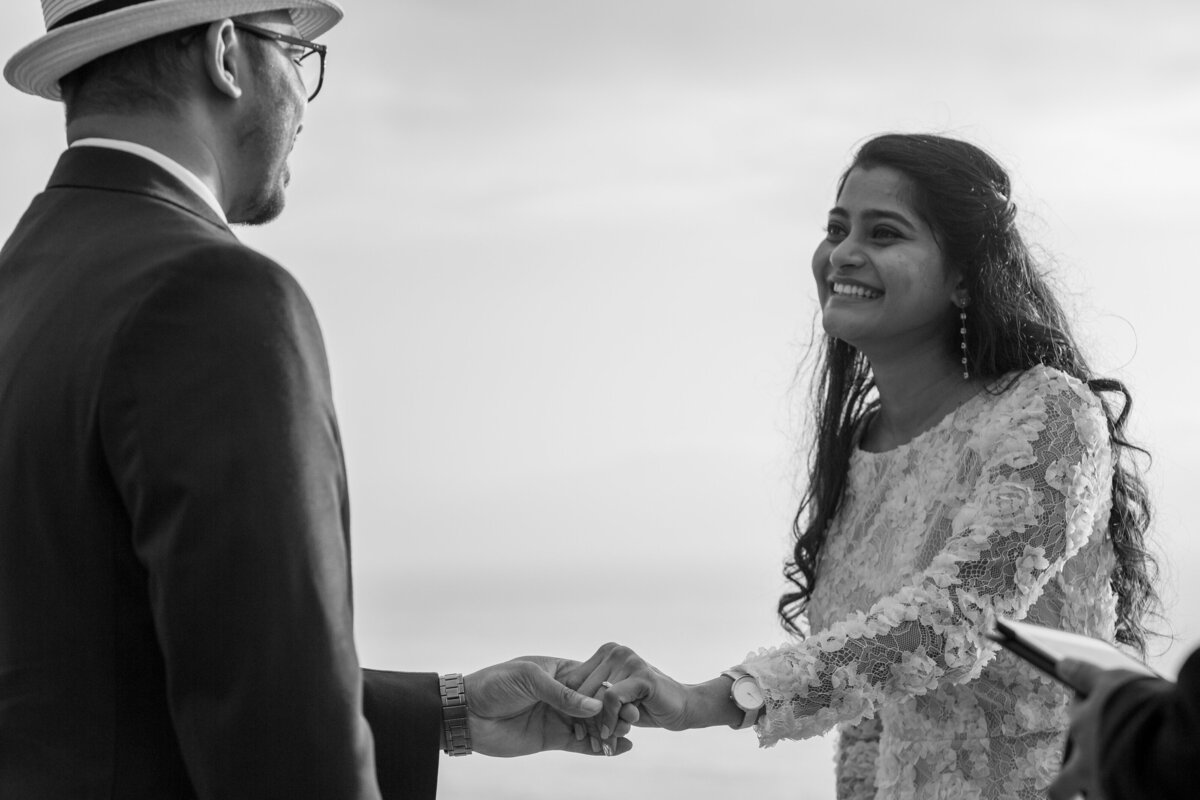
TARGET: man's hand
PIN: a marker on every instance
(635, 691)
(522, 707)
(1080, 774)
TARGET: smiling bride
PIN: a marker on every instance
(965, 465)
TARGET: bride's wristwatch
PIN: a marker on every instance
(746, 695)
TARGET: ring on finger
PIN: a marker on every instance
(606, 684)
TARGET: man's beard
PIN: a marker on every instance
(268, 204)
(264, 137)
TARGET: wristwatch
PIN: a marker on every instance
(746, 695)
(455, 730)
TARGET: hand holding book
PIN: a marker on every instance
(1045, 647)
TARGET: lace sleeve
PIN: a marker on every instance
(1043, 461)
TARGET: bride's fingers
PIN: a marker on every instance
(593, 731)
(576, 675)
(604, 676)
(588, 730)
(612, 663)
(621, 695)
(620, 746)
(627, 717)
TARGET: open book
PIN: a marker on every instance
(1045, 647)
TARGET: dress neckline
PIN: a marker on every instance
(928, 433)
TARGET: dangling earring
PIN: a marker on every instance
(962, 331)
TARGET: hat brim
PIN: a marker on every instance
(37, 67)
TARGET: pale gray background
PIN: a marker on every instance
(560, 251)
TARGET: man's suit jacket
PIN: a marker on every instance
(175, 601)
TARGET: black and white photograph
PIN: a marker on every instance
(598, 399)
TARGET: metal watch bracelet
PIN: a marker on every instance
(454, 714)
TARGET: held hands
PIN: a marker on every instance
(633, 691)
(538, 703)
(1080, 774)
(526, 706)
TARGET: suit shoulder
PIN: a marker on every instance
(229, 272)
(228, 259)
(224, 293)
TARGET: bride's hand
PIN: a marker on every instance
(634, 691)
(660, 701)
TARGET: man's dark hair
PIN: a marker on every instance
(151, 75)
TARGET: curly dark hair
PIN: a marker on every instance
(964, 196)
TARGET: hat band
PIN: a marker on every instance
(95, 10)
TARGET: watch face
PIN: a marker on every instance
(746, 692)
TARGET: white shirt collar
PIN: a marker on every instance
(169, 164)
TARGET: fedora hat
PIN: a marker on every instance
(79, 31)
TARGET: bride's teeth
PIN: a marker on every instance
(855, 291)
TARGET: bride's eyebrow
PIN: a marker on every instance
(874, 214)
(894, 216)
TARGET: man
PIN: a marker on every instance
(175, 604)
(1132, 736)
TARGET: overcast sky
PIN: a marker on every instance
(560, 252)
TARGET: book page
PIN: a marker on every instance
(1060, 644)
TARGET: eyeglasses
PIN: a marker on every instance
(312, 70)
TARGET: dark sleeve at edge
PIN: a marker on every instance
(404, 710)
(1151, 738)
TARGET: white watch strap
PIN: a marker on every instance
(751, 714)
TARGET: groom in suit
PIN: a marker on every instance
(175, 602)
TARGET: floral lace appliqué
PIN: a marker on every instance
(999, 509)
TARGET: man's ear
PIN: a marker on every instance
(222, 48)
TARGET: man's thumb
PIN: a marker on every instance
(564, 698)
(1079, 675)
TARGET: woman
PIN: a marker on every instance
(966, 465)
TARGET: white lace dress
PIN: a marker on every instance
(1000, 509)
